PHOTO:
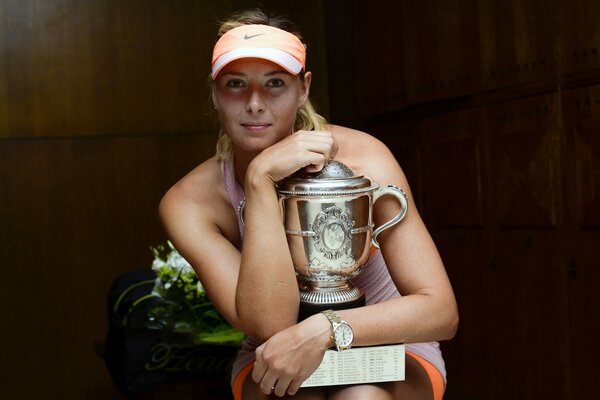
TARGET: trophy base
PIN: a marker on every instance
(330, 295)
(307, 309)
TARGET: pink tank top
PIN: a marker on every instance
(374, 280)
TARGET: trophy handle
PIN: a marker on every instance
(402, 198)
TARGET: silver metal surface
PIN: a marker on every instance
(328, 219)
(334, 179)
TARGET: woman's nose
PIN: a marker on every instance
(255, 102)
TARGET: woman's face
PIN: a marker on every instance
(257, 102)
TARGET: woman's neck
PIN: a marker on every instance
(240, 162)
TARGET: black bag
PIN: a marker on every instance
(139, 356)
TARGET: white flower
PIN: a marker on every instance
(176, 261)
(157, 263)
(171, 271)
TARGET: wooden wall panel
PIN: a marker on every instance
(379, 56)
(518, 41)
(103, 106)
(526, 315)
(3, 86)
(580, 36)
(587, 150)
(105, 67)
(527, 225)
(453, 191)
(454, 197)
(464, 252)
(584, 313)
(582, 119)
(582, 124)
(526, 284)
(90, 67)
(403, 139)
(75, 213)
(441, 45)
(525, 151)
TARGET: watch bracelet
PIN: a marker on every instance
(329, 314)
(335, 321)
(333, 317)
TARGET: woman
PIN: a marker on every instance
(269, 130)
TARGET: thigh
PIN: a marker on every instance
(416, 386)
(251, 391)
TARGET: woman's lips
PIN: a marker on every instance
(256, 126)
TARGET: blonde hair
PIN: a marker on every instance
(306, 118)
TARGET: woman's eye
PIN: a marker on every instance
(235, 83)
(276, 83)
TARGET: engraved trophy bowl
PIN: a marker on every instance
(328, 219)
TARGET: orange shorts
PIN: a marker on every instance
(437, 381)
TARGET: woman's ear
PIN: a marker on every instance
(305, 87)
(214, 99)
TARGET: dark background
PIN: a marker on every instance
(492, 107)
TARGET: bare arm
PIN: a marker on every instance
(256, 290)
(203, 227)
(267, 290)
(267, 293)
(427, 309)
(197, 222)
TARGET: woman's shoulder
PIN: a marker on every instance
(195, 181)
(367, 155)
(359, 148)
(202, 185)
(353, 140)
(200, 196)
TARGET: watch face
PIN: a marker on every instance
(344, 335)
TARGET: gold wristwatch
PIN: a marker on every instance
(342, 332)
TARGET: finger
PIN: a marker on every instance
(315, 162)
(281, 387)
(324, 138)
(334, 150)
(257, 374)
(268, 384)
(313, 142)
(313, 133)
(259, 371)
(316, 146)
(323, 145)
(293, 387)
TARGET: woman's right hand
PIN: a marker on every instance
(303, 149)
(289, 357)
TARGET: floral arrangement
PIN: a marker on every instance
(186, 309)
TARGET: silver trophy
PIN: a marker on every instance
(328, 219)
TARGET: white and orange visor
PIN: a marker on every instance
(259, 41)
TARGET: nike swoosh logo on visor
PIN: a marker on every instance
(246, 36)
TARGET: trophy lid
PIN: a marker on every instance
(334, 179)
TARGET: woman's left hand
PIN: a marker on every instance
(289, 357)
